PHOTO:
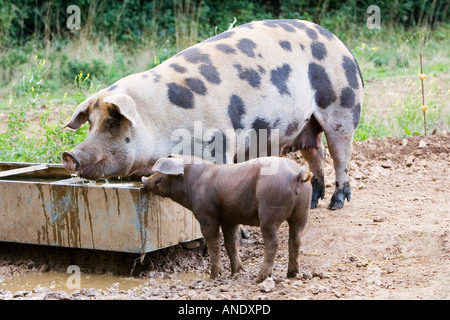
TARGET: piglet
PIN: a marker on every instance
(261, 192)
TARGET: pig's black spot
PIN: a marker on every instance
(250, 75)
(156, 76)
(247, 46)
(286, 27)
(286, 45)
(350, 72)
(279, 77)
(292, 127)
(210, 73)
(261, 69)
(196, 85)
(194, 55)
(223, 35)
(279, 23)
(113, 87)
(259, 124)
(318, 50)
(144, 76)
(178, 68)
(180, 96)
(271, 23)
(356, 111)
(322, 85)
(347, 97)
(226, 48)
(236, 110)
(324, 31)
(311, 33)
(127, 140)
(286, 24)
(296, 23)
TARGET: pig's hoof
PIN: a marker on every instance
(292, 274)
(244, 234)
(215, 272)
(261, 277)
(338, 198)
(318, 191)
(236, 269)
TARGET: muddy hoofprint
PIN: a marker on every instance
(289, 76)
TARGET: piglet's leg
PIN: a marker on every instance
(210, 231)
(269, 231)
(295, 229)
(230, 234)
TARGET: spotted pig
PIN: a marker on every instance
(289, 77)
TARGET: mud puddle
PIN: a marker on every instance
(67, 282)
(70, 283)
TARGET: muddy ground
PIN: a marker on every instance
(390, 242)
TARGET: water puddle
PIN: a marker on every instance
(57, 281)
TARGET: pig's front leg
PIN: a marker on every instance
(230, 234)
(210, 230)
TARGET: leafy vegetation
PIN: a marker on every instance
(47, 69)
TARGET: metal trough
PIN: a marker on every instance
(43, 204)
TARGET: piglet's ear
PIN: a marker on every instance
(170, 166)
(80, 115)
(126, 105)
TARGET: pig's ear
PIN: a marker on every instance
(170, 166)
(80, 115)
(126, 105)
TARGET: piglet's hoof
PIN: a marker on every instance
(244, 234)
(215, 272)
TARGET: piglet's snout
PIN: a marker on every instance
(70, 162)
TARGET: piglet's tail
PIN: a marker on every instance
(301, 177)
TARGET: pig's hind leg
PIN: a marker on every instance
(230, 235)
(296, 225)
(269, 230)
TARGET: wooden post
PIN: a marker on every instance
(423, 97)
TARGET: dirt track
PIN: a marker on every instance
(390, 242)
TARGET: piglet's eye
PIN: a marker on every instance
(158, 181)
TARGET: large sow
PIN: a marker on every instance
(289, 77)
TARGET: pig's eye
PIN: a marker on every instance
(113, 126)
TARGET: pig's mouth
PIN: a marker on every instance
(93, 172)
(85, 172)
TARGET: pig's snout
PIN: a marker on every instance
(70, 162)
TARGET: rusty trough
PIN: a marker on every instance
(43, 204)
